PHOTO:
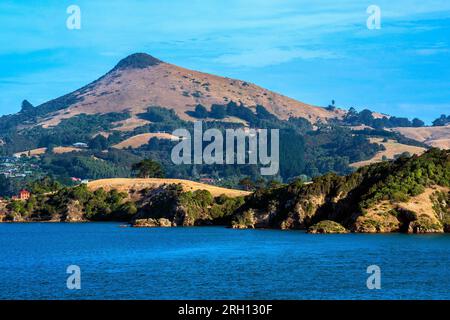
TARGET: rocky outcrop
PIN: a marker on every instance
(295, 206)
(171, 203)
(11, 217)
(150, 223)
(327, 226)
(376, 224)
(161, 203)
(246, 220)
(74, 212)
(441, 205)
(425, 224)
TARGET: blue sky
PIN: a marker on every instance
(314, 51)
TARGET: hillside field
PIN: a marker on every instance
(125, 185)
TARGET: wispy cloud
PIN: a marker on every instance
(438, 48)
(271, 56)
(431, 51)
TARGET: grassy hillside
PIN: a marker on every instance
(392, 149)
(438, 136)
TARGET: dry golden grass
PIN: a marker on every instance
(438, 137)
(440, 143)
(422, 204)
(130, 124)
(170, 86)
(41, 151)
(392, 148)
(141, 139)
(61, 150)
(31, 153)
(125, 185)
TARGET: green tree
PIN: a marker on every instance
(99, 142)
(44, 185)
(443, 120)
(201, 112)
(417, 123)
(218, 111)
(26, 106)
(148, 169)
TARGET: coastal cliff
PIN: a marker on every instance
(407, 195)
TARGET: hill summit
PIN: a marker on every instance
(137, 61)
(141, 80)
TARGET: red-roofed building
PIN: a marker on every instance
(24, 194)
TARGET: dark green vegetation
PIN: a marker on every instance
(302, 149)
(17, 173)
(366, 117)
(443, 120)
(81, 128)
(148, 169)
(390, 135)
(51, 202)
(89, 164)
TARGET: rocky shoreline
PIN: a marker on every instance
(319, 228)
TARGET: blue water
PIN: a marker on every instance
(217, 263)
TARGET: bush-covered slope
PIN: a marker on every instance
(373, 199)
